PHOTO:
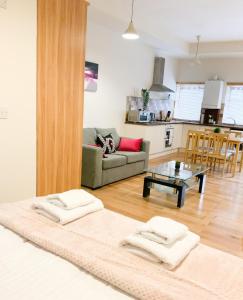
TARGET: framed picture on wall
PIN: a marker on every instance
(91, 76)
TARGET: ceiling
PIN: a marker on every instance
(174, 24)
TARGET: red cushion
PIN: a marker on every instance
(94, 145)
(132, 145)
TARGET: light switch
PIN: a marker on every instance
(3, 113)
(3, 4)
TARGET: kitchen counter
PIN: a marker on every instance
(157, 123)
(157, 133)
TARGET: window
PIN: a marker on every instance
(188, 101)
(233, 109)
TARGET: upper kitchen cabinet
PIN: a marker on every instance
(213, 94)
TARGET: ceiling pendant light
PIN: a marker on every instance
(131, 33)
(197, 60)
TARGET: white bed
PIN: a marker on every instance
(30, 273)
(94, 244)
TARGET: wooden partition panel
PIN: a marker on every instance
(61, 57)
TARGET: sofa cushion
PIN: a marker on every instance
(113, 161)
(132, 157)
(130, 145)
(107, 143)
(89, 136)
(112, 131)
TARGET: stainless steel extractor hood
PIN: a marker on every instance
(158, 78)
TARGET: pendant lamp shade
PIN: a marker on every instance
(131, 33)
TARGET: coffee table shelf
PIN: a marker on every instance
(166, 175)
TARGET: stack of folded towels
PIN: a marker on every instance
(68, 206)
(162, 240)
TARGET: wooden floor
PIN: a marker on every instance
(217, 216)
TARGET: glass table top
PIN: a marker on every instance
(187, 170)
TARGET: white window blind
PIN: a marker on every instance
(188, 101)
(233, 110)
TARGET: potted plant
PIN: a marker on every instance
(145, 97)
(177, 165)
(217, 130)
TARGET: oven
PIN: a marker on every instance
(169, 136)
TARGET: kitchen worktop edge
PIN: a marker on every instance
(174, 122)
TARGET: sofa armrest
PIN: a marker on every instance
(145, 148)
(91, 166)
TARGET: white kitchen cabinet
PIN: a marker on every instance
(154, 134)
(178, 130)
(186, 128)
(213, 94)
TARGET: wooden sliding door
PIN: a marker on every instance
(61, 58)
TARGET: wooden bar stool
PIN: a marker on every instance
(191, 145)
(196, 147)
(221, 151)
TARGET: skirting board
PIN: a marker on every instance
(168, 152)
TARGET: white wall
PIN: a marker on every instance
(228, 69)
(18, 95)
(125, 67)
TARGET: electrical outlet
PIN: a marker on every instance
(3, 113)
(3, 4)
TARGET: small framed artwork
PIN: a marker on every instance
(91, 76)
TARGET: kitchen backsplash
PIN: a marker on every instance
(155, 105)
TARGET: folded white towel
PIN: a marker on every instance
(171, 255)
(63, 216)
(71, 199)
(163, 230)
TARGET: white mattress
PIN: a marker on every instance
(30, 273)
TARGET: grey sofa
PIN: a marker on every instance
(98, 171)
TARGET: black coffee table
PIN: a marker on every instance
(165, 174)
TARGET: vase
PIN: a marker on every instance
(177, 165)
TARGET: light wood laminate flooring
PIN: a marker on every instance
(217, 216)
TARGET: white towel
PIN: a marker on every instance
(171, 255)
(63, 216)
(163, 230)
(71, 199)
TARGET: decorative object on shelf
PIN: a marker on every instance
(217, 130)
(131, 33)
(177, 165)
(3, 4)
(145, 96)
(91, 76)
(210, 119)
(152, 117)
(168, 116)
(196, 59)
(211, 116)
